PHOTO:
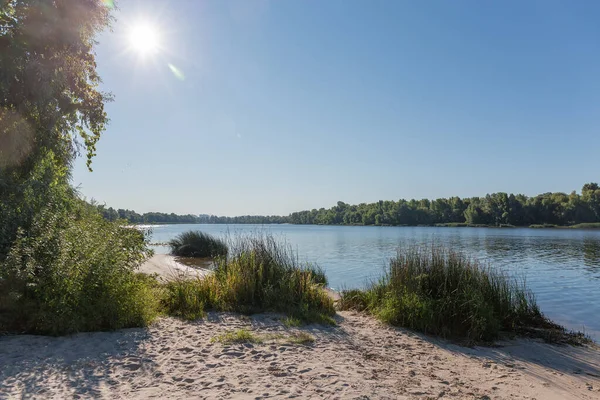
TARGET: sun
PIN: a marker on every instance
(144, 39)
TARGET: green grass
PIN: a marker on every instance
(466, 225)
(583, 225)
(453, 225)
(197, 244)
(259, 275)
(246, 336)
(238, 336)
(442, 292)
(301, 338)
(587, 225)
(291, 322)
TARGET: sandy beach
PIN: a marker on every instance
(359, 358)
(168, 267)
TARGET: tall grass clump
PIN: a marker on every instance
(197, 244)
(258, 275)
(74, 271)
(443, 292)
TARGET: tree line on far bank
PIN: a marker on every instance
(496, 209)
(133, 217)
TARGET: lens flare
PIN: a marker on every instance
(108, 3)
(177, 72)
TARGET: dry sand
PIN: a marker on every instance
(358, 359)
(167, 267)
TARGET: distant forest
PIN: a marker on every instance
(497, 209)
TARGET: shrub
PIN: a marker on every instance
(74, 271)
(197, 244)
(259, 275)
(442, 292)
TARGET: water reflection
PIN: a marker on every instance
(591, 256)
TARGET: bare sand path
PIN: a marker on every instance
(167, 267)
(358, 359)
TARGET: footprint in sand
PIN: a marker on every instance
(185, 349)
(132, 366)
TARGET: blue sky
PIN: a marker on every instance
(290, 105)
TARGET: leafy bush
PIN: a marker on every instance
(197, 244)
(442, 292)
(260, 275)
(74, 271)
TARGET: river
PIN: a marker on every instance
(561, 266)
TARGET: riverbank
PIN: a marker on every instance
(591, 225)
(358, 357)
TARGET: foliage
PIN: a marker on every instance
(165, 218)
(75, 271)
(63, 268)
(197, 244)
(497, 209)
(259, 275)
(441, 292)
(48, 80)
(50, 105)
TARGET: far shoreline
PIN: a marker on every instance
(582, 226)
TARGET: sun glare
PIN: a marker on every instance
(144, 39)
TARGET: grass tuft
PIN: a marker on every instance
(197, 244)
(237, 336)
(291, 322)
(442, 292)
(301, 338)
(586, 225)
(259, 275)
(246, 336)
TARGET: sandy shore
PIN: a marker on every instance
(358, 359)
(167, 267)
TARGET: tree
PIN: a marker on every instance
(590, 193)
(48, 79)
(475, 215)
(589, 187)
(50, 104)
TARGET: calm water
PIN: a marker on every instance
(562, 267)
